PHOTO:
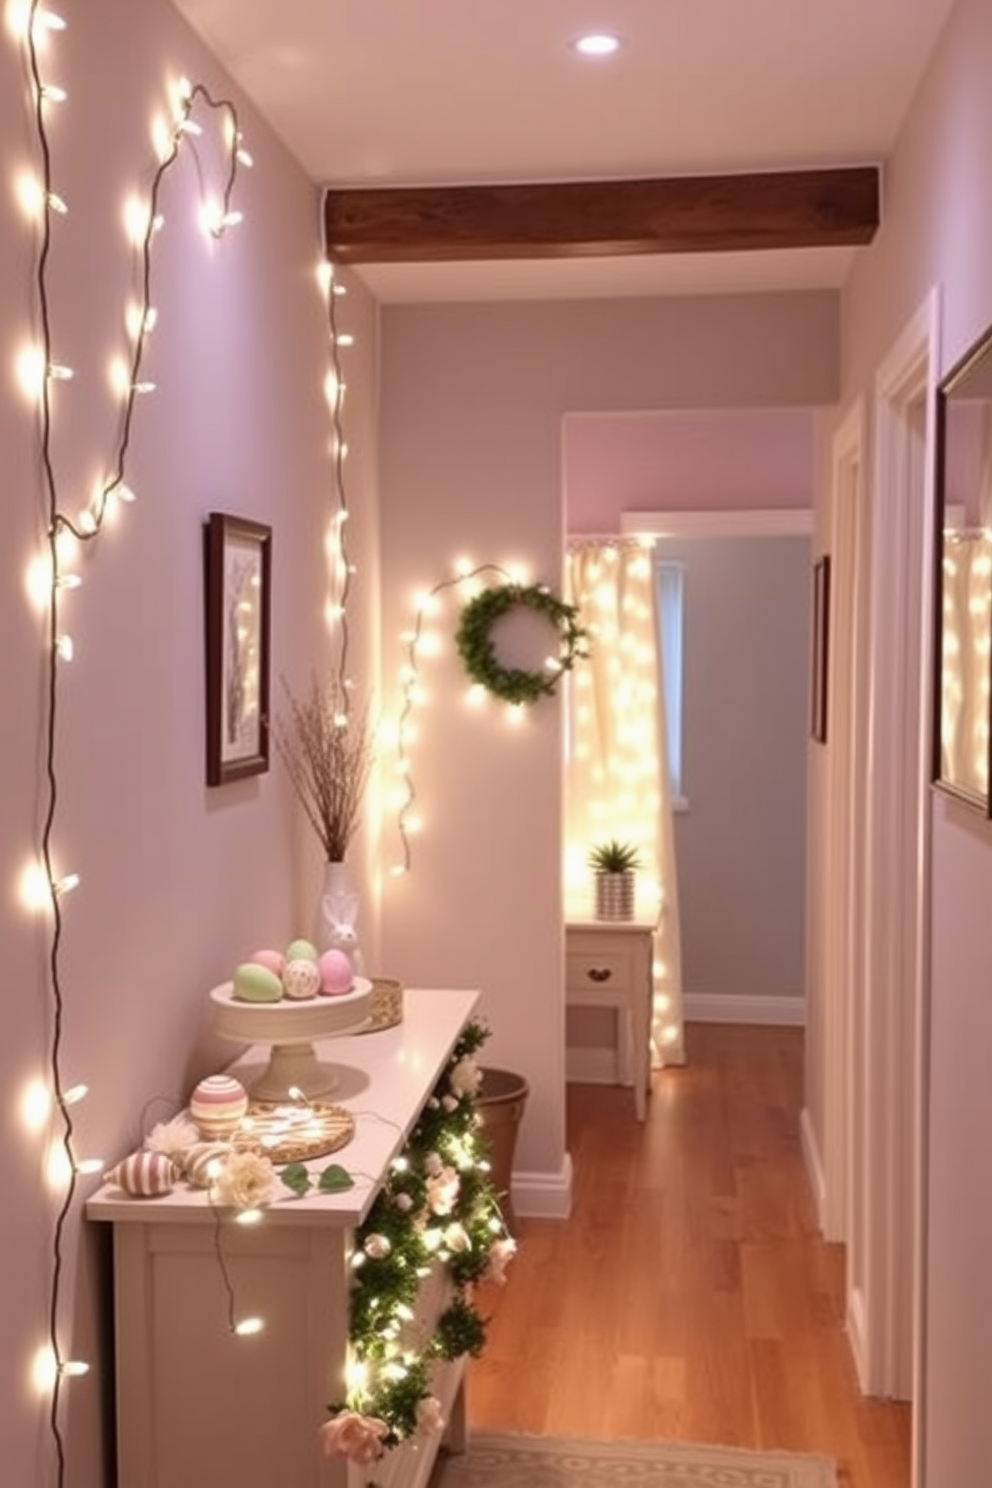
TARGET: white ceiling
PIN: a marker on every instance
(431, 92)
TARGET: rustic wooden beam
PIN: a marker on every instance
(570, 219)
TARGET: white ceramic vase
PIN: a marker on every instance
(339, 916)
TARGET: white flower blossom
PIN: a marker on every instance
(466, 1077)
(246, 1181)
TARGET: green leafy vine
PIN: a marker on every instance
(436, 1217)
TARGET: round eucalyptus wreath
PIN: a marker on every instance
(474, 639)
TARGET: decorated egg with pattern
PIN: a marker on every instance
(217, 1105)
(144, 1175)
(204, 1161)
(300, 980)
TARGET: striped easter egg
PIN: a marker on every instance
(203, 1160)
(144, 1174)
(217, 1105)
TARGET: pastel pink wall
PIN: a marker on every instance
(693, 460)
(473, 402)
(937, 232)
(178, 881)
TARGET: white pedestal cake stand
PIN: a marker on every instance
(291, 1028)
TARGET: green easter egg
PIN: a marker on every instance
(301, 950)
(253, 983)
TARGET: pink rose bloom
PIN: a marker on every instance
(357, 1437)
(500, 1254)
(429, 1415)
(442, 1191)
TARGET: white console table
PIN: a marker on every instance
(198, 1407)
(608, 963)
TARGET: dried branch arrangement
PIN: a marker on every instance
(326, 746)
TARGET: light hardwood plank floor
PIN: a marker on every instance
(689, 1296)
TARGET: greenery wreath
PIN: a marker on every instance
(474, 639)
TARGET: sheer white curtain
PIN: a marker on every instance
(616, 775)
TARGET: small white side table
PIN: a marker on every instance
(608, 963)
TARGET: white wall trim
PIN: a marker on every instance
(840, 883)
(855, 1319)
(787, 522)
(892, 1041)
(544, 1195)
(705, 1007)
(813, 1163)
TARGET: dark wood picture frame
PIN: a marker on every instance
(820, 658)
(961, 701)
(237, 581)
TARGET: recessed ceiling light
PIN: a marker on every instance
(597, 44)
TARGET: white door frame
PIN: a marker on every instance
(843, 820)
(887, 1230)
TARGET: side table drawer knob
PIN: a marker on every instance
(599, 973)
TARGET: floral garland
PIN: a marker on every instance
(475, 643)
(436, 1208)
(437, 1204)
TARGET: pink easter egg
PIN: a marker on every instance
(273, 961)
(217, 1105)
(336, 976)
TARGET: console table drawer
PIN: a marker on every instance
(598, 976)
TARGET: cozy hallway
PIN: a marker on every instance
(690, 1295)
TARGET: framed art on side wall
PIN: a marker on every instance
(237, 575)
(821, 649)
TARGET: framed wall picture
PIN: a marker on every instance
(237, 575)
(962, 619)
(821, 649)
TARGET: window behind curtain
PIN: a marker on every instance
(669, 590)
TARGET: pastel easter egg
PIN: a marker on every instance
(254, 983)
(144, 1175)
(203, 1162)
(301, 950)
(217, 1105)
(336, 976)
(273, 961)
(300, 980)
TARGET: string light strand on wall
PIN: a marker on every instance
(466, 575)
(31, 23)
(342, 567)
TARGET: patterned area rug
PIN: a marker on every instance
(507, 1461)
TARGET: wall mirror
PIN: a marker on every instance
(963, 587)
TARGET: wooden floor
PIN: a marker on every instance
(689, 1296)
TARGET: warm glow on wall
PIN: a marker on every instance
(42, 888)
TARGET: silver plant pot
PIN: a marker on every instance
(615, 895)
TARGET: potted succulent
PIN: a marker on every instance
(615, 866)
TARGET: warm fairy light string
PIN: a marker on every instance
(43, 888)
(341, 567)
(416, 642)
(625, 794)
(965, 642)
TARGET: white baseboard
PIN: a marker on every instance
(702, 1007)
(814, 1165)
(856, 1334)
(543, 1195)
